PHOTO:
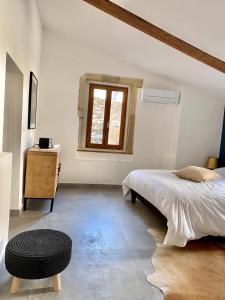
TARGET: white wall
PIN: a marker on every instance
(159, 130)
(63, 63)
(20, 36)
(5, 189)
(12, 125)
(200, 127)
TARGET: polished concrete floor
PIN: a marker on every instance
(112, 248)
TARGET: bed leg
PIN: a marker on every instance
(133, 197)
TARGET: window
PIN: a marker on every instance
(106, 117)
(106, 111)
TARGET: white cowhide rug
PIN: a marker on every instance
(195, 272)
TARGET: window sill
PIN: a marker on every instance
(96, 155)
(104, 151)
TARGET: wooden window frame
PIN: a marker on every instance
(109, 89)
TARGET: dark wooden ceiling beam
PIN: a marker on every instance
(158, 33)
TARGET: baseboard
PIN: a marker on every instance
(90, 185)
(15, 212)
(2, 249)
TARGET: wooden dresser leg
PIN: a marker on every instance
(15, 285)
(24, 204)
(52, 204)
(56, 283)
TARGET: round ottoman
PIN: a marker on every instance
(38, 254)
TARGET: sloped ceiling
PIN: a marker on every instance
(200, 23)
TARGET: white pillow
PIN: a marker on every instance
(220, 171)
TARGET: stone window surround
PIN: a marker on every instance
(132, 83)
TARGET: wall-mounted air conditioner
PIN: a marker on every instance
(160, 96)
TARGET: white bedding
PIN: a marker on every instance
(193, 210)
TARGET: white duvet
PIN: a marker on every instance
(193, 210)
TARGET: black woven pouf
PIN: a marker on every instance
(38, 254)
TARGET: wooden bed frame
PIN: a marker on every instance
(135, 195)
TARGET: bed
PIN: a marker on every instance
(193, 210)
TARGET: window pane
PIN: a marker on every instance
(115, 118)
(98, 116)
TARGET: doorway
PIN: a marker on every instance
(12, 129)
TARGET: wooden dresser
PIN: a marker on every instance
(42, 171)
